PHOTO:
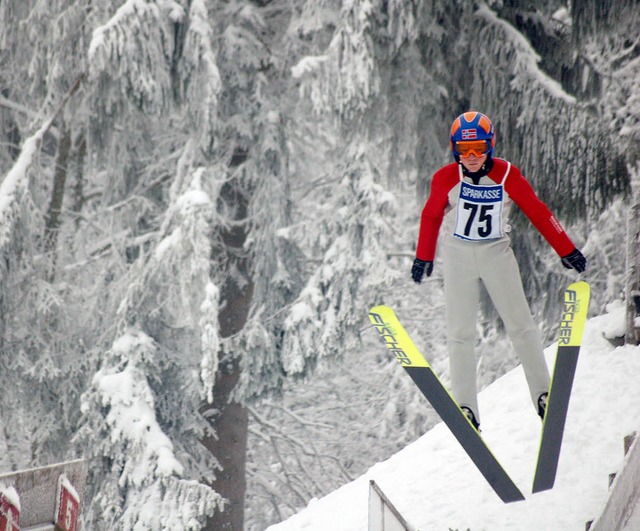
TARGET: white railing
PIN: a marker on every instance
(622, 510)
(383, 516)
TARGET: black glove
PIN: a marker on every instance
(575, 260)
(420, 267)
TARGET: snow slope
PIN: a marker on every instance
(435, 486)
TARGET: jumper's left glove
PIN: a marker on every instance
(420, 267)
(575, 260)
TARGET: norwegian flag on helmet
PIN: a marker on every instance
(469, 134)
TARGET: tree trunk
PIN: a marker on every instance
(80, 154)
(230, 419)
(52, 225)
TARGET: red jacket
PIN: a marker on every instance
(518, 189)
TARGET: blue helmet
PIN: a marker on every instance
(472, 126)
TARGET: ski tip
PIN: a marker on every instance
(379, 315)
(380, 308)
(581, 286)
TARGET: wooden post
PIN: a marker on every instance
(632, 287)
(625, 491)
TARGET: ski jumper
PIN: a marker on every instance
(476, 248)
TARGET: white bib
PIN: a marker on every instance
(479, 210)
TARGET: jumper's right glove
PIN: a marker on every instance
(420, 267)
(575, 260)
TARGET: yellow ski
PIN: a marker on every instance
(574, 317)
(406, 352)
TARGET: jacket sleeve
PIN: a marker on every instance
(432, 215)
(538, 213)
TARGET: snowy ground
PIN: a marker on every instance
(435, 486)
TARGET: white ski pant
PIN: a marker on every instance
(466, 264)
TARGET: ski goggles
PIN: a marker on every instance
(475, 147)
